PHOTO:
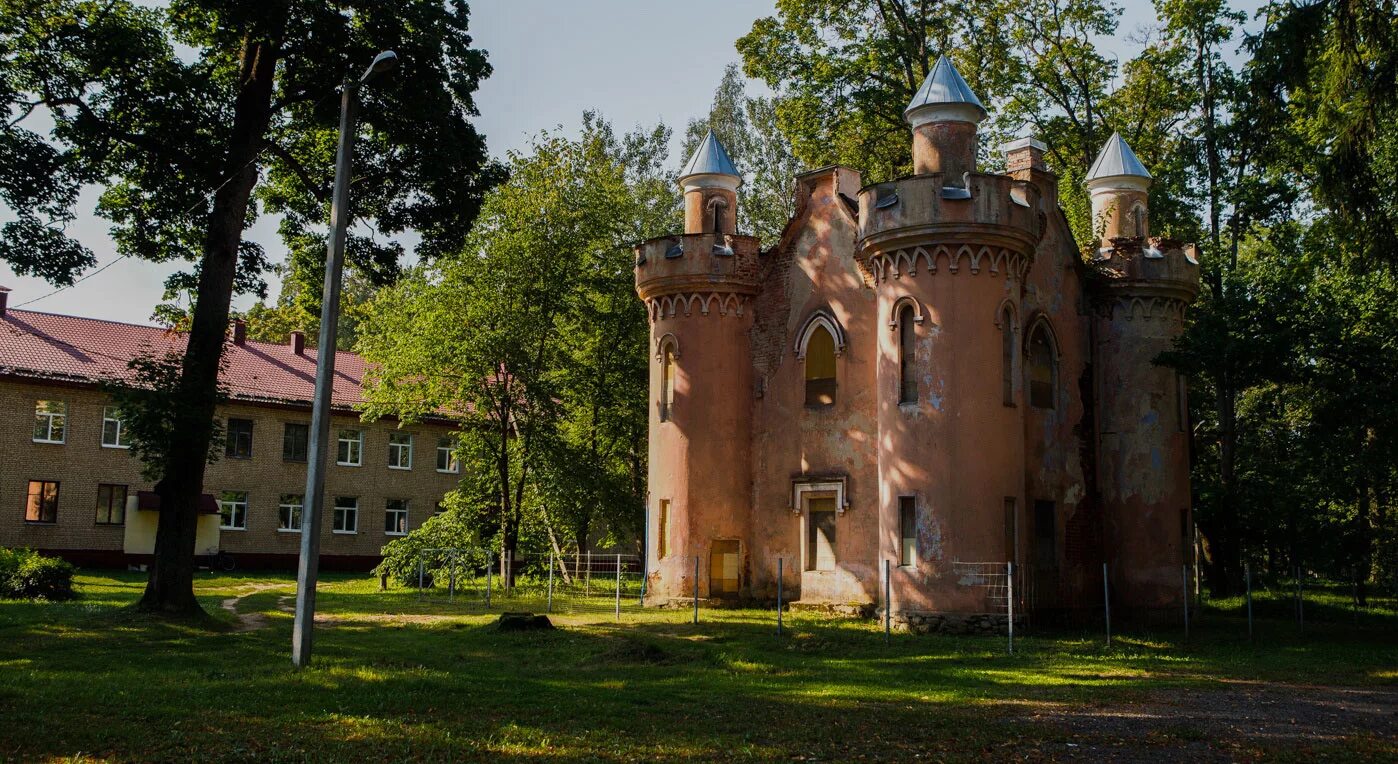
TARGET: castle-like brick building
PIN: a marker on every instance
(923, 374)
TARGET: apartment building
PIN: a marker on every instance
(69, 484)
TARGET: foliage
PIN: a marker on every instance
(533, 338)
(446, 530)
(149, 405)
(27, 575)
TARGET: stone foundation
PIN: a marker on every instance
(930, 622)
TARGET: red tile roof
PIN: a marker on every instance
(87, 350)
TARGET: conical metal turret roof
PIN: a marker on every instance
(1116, 159)
(710, 159)
(944, 86)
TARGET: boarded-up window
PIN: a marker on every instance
(1045, 535)
(1007, 358)
(907, 531)
(1043, 371)
(662, 530)
(723, 569)
(820, 534)
(907, 352)
(820, 368)
(667, 382)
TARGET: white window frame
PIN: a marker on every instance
(356, 445)
(61, 416)
(113, 414)
(350, 510)
(401, 509)
(398, 449)
(453, 464)
(297, 509)
(232, 506)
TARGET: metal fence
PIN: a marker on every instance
(482, 579)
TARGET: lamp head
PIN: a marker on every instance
(384, 62)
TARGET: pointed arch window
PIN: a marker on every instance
(1043, 368)
(1007, 357)
(907, 352)
(1138, 221)
(668, 356)
(820, 368)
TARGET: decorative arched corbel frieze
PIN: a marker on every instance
(820, 318)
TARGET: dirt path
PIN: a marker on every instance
(1223, 724)
(250, 621)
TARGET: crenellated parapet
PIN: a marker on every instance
(991, 224)
(1147, 279)
(697, 274)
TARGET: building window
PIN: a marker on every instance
(667, 381)
(296, 442)
(907, 352)
(446, 456)
(907, 531)
(820, 368)
(237, 442)
(114, 434)
(50, 421)
(400, 451)
(289, 512)
(1011, 528)
(1043, 369)
(395, 517)
(662, 530)
(42, 506)
(111, 504)
(1045, 535)
(820, 534)
(346, 516)
(350, 450)
(1138, 221)
(233, 510)
(1007, 357)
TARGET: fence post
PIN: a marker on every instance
(1010, 601)
(451, 568)
(1184, 576)
(887, 602)
(1247, 582)
(587, 591)
(419, 576)
(489, 575)
(779, 596)
(1107, 603)
(696, 588)
(551, 561)
(618, 587)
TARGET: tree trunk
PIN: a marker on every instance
(171, 585)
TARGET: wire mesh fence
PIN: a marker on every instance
(577, 583)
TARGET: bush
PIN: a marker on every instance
(27, 575)
(401, 556)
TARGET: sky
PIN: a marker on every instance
(637, 62)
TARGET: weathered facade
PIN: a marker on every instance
(70, 486)
(923, 373)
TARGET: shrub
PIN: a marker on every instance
(401, 556)
(26, 574)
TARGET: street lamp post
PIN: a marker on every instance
(314, 504)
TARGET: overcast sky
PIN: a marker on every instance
(635, 61)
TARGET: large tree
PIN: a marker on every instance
(197, 117)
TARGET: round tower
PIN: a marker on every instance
(697, 287)
(1143, 422)
(947, 249)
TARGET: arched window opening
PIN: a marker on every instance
(907, 352)
(717, 205)
(1043, 370)
(1007, 357)
(820, 368)
(667, 381)
(1138, 215)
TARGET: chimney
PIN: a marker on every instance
(240, 332)
(298, 342)
(4, 301)
(1024, 160)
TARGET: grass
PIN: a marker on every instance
(395, 678)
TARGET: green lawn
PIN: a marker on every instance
(396, 678)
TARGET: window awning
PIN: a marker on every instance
(150, 501)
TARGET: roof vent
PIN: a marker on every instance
(298, 342)
(4, 300)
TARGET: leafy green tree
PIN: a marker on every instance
(165, 107)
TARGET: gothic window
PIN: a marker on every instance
(1043, 369)
(667, 381)
(1138, 221)
(1007, 357)
(907, 339)
(717, 205)
(820, 368)
(907, 531)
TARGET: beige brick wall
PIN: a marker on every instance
(81, 463)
